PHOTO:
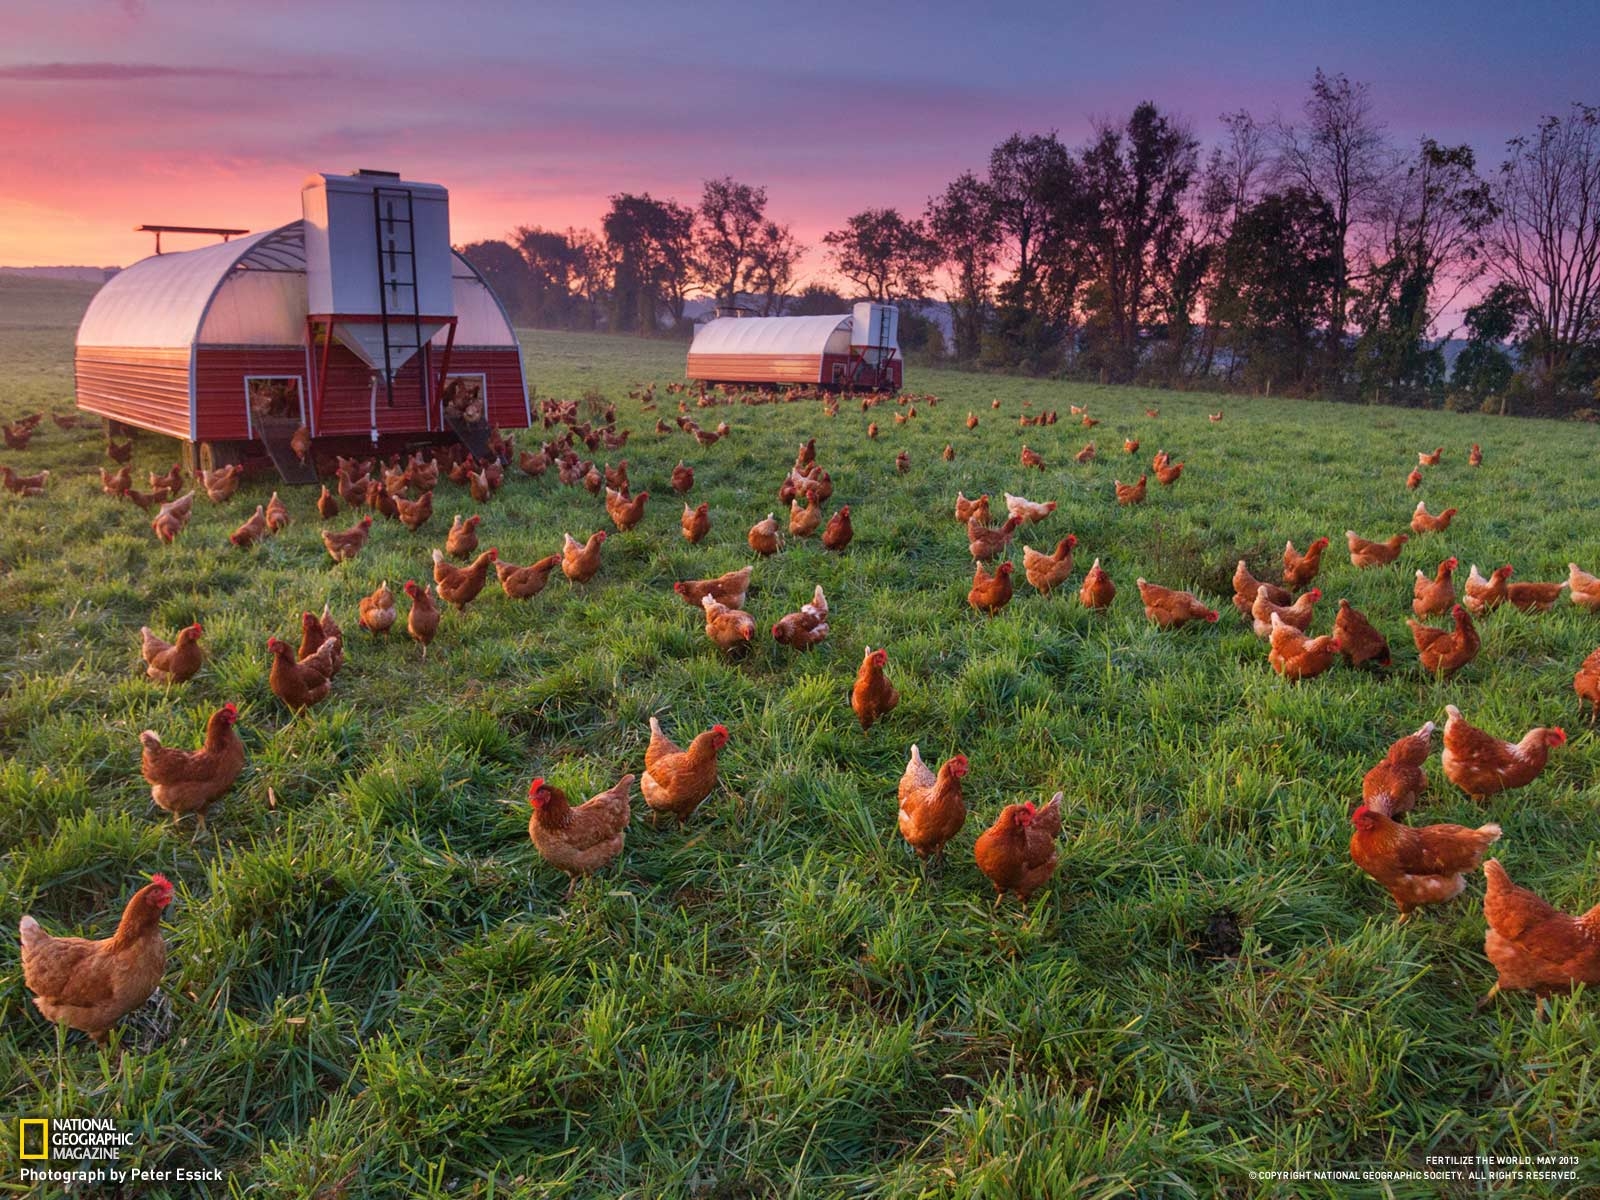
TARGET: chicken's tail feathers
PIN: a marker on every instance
(916, 755)
(150, 739)
(438, 556)
(1427, 729)
(1495, 876)
(1491, 831)
(1452, 712)
(29, 930)
(819, 601)
(655, 728)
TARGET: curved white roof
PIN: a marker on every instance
(250, 291)
(773, 335)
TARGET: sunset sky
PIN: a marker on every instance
(113, 114)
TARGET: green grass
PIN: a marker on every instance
(376, 980)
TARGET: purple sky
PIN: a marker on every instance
(187, 113)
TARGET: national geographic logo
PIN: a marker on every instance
(33, 1138)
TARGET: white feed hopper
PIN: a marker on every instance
(873, 330)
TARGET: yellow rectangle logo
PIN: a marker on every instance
(33, 1138)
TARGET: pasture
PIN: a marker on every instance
(376, 988)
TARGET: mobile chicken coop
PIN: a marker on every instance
(358, 322)
(855, 350)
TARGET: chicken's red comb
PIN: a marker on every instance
(722, 729)
(1560, 735)
(231, 709)
(1028, 806)
(160, 880)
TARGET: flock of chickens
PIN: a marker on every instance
(90, 985)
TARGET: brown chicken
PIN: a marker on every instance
(220, 485)
(727, 627)
(1294, 655)
(344, 545)
(1394, 786)
(462, 540)
(1130, 493)
(763, 536)
(1431, 597)
(990, 593)
(578, 839)
(523, 583)
(1535, 597)
(806, 628)
(376, 613)
(1417, 865)
(1172, 609)
(1445, 651)
(172, 518)
(1097, 591)
(171, 481)
(1483, 766)
(1534, 946)
(1422, 521)
(299, 684)
(1082, 457)
(839, 532)
(1246, 587)
(1298, 615)
(172, 662)
(972, 420)
(190, 781)
(118, 483)
(1587, 684)
(460, 585)
(90, 985)
(24, 485)
(119, 452)
(252, 530)
(803, 522)
(300, 443)
(682, 478)
(1425, 459)
(696, 522)
(729, 589)
(624, 512)
(1018, 852)
(277, 514)
(1031, 459)
(617, 477)
(414, 514)
(1049, 571)
(677, 781)
(581, 560)
(1413, 480)
(932, 810)
(1167, 474)
(1585, 588)
(985, 544)
(1359, 640)
(1130, 445)
(1475, 456)
(902, 462)
(873, 697)
(1027, 511)
(967, 509)
(1364, 553)
(1300, 569)
(327, 504)
(1482, 594)
(145, 500)
(423, 621)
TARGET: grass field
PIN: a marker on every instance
(377, 989)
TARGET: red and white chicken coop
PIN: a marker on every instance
(358, 322)
(858, 349)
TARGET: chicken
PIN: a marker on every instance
(902, 462)
(172, 662)
(423, 621)
(190, 781)
(1018, 852)
(462, 540)
(617, 477)
(300, 443)
(1535, 597)
(984, 543)
(1082, 457)
(1246, 586)
(583, 838)
(1483, 766)
(344, 545)
(220, 485)
(277, 515)
(1214, 417)
(1028, 511)
(1300, 569)
(624, 512)
(581, 560)
(972, 420)
(948, 453)
(1394, 786)
(1030, 458)
(990, 593)
(1483, 594)
(117, 483)
(696, 522)
(1534, 946)
(763, 536)
(1585, 588)
(1049, 571)
(1364, 553)
(1294, 655)
(522, 583)
(1475, 456)
(932, 810)
(1422, 521)
(171, 481)
(838, 533)
(1445, 651)
(252, 530)
(119, 452)
(460, 585)
(24, 485)
(682, 478)
(873, 697)
(729, 589)
(1130, 445)
(727, 627)
(145, 500)
(1425, 459)
(803, 522)
(1587, 684)
(172, 518)
(1424, 864)
(414, 514)
(327, 506)
(1171, 609)
(90, 985)
(1430, 597)
(677, 781)
(1297, 615)
(1359, 640)
(376, 613)
(1130, 493)
(1167, 473)
(299, 684)
(1097, 591)
(65, 420)
(806, 628)
(967, 509)
(1413, 480)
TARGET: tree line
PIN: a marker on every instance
(1312, 255)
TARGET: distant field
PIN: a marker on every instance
(376, 981)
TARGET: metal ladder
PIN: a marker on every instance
(394, 237)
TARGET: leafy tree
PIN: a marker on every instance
(816, 300)
(1484, 368)
(1033, 185)
(728, 224)
(505, 272)
(650, 243)
(882, 253)
(966, 240)
(773, 259)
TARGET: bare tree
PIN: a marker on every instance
(773, 258)
(1547, 236)
(1341, 156)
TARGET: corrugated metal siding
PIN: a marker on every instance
(219, 375)
(757, 368)
(143, 386)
